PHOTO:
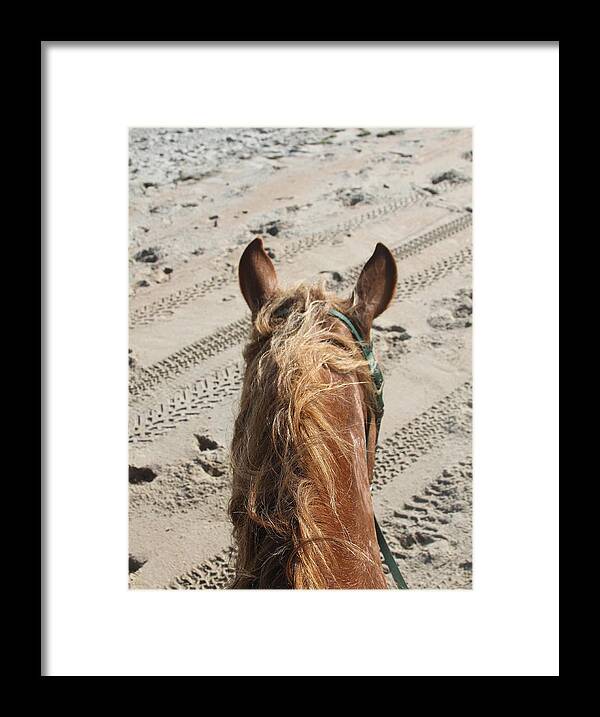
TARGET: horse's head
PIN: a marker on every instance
(372, 294)
(303, 446)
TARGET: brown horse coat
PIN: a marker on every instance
(301, 507)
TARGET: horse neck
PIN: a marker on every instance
(327, 536)
(353, 518)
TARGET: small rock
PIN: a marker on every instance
(450, 175)
(135, 563)
(205, 443)
(141, 475)
(187, 175)
(148, 256)
(389, 133)
(396, 328)
(335, 275)
(462, 311)
(168, 270)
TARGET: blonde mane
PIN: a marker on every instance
(286, 447)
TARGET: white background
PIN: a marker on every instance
(507, 625)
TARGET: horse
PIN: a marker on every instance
(303, 445)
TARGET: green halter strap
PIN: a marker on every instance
(377, 376)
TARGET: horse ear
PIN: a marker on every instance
(376, 286)
(258, 278)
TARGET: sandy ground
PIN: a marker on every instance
(322, 198)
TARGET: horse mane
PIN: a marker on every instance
(286, 448)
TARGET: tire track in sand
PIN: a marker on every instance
(168, 305)
(213, 574)
(208, 391)
(431, 535)
(411, 442)
(236, 332)
(421, 435)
